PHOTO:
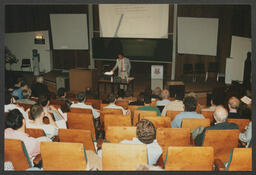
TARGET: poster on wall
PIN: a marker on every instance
(157, 71)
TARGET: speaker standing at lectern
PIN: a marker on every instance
(124, 66)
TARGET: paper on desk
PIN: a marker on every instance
(108, 73)
(246, 100)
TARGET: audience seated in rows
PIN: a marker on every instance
(146, 134)
(139, 101)
(25, 98)
(62, 93)
(37, 114)
(18, 92)
(175, 105)
(39, 88)
(165, 98)
(81, 99)
(220, 114)
(190, 103)
(112, 99)
(147, 105)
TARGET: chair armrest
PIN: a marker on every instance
(219, 165)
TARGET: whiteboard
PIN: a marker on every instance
(197, 35)
(235, 65)
(69, 31)
(134, 20)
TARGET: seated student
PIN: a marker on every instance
(62, 93)
(139, 101)
(37, 113)
(220, 115)
(112, 99)
(17, 92)
(44, 101)
(146, 134)
(175, 105)
(247, 135)
(147, 105)
(165, 98)
(213, 104)
(15, 129)
(190, 112)
(233, 105)
(25, 98)
(81, 99)
(156, 93)
(39, 88)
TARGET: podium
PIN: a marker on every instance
(80, 79)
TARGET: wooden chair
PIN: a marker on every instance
(172, 114)
(62, 103)
(138, 114)
(208, 114)
(81, 121)
(88, 103)
(159, 122)
(95, 103)
(81, 110)
(57, 156)
(35, 132)
(132, 108)
(123, 103)
(77, 136)
(242, 123)
(57, 106)
(172, 137)
(123, 156)
(115, 134)
(102, 106)
(189, 159)
(222, 141)
(15, 152)
(25, 106)
(106, 111)
(240, 159)
(117, 120)
(193, 123)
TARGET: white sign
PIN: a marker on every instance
(157, 71)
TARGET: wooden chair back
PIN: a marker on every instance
(14, 151)
(242, 123)
(222, 141)
(123, 156)
(35, 132)
(115, 134)
(106, 111)
(172, 137)
(172, 114)
(193, 123)
(117, 120)
(102, 106)
(57, 156)
(95, 103)
(62, 103)
(57, 106)
(132, 108)
(138, 114)
(88, 103)
(208, 114)
(81, 110)
(81, 121)
(123, 103)
(189, 159)
(77, 136)
(240, 160)
(159, 122)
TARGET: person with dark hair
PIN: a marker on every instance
(139, 101)
(25, 98)
(18, 92)
(37, 114)
(62, 96)
(147, 105)
(146, 134)
(81, 99)
(112, 99)
(15, 129)
(39, 88)
(213, 102)
(190, 104)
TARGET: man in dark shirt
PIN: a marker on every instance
(39, 88)
(220, 115)
(139, 101)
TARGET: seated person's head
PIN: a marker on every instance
(190, 103)
(165, 94)
(24, 86)
(157, 91)
(111, 98)
(80, 97)
(233, 103)
(36, 111)
(120, 93)
(145, 131)
(44, 100)
(61, 92)
(40, 79)
(147, 99)
(220, 114)
(26, 94)
(14, 119)
(179, 96)
(140, 97)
